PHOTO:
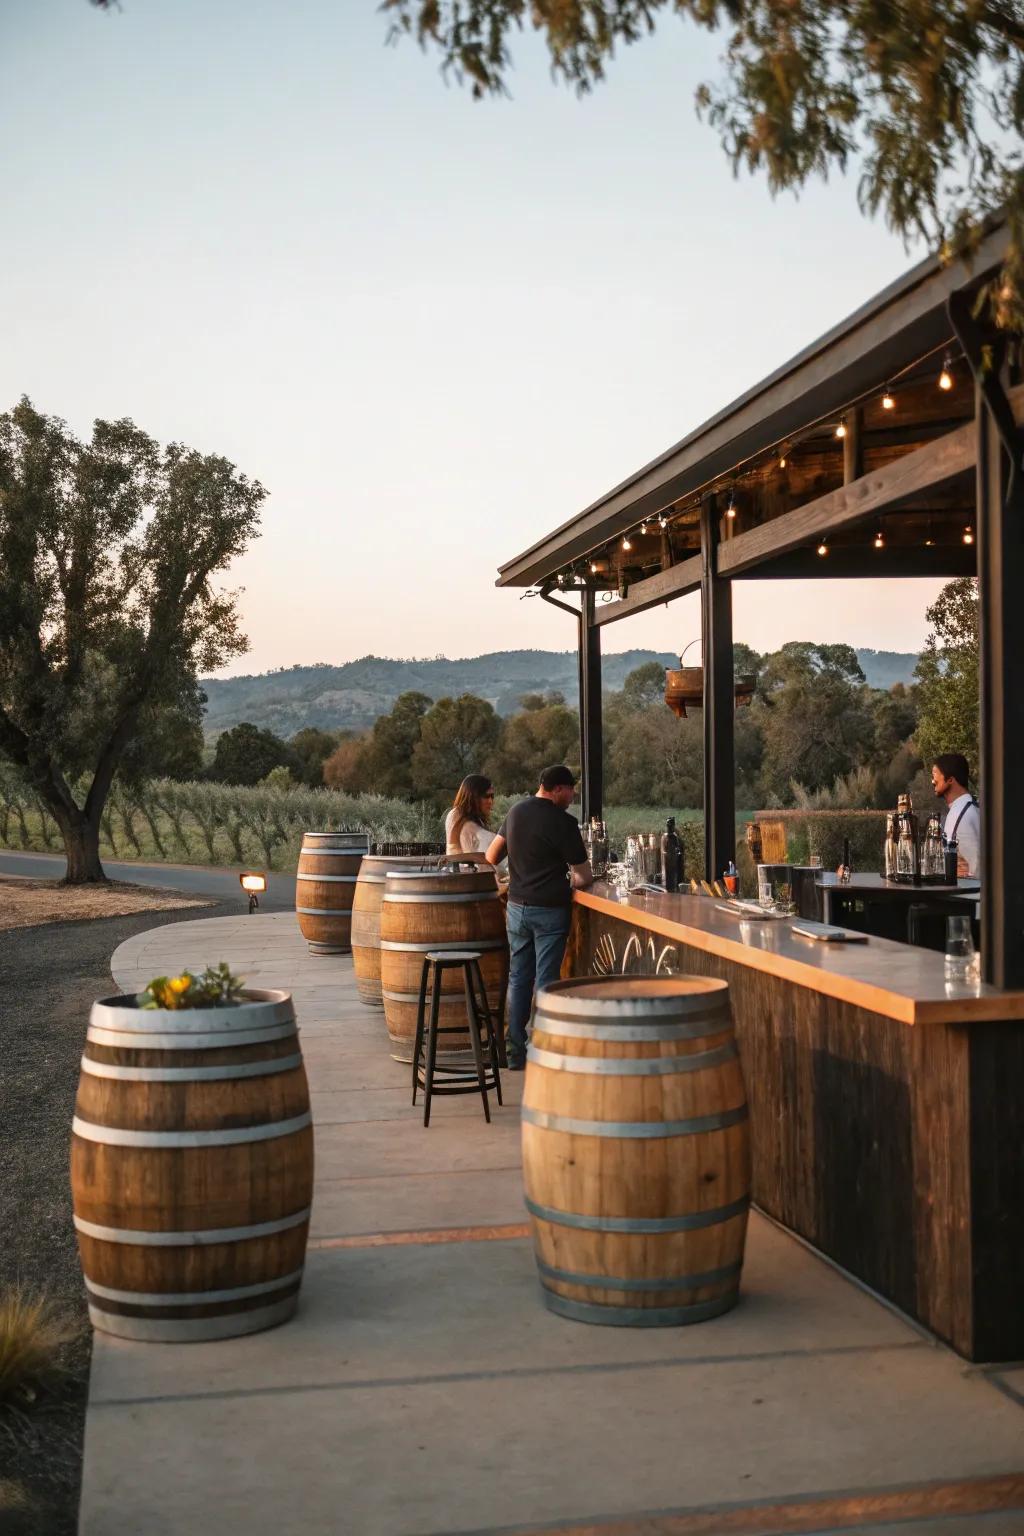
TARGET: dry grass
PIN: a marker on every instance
(26, 903)
(34, 1334)
(12, 1497)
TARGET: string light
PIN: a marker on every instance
(626, 544)
(782, 459)
(968, 534)
(888, 403)
(663, 521)
(841, 429)
(946, 376)
(643, 527)
(823, 548)
(730, 510)
(879, 539)
(593, 567)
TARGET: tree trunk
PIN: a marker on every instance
(82, 847)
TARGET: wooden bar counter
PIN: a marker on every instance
(887, 1106)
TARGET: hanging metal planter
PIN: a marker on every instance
(684, 687)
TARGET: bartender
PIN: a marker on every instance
(963, 822)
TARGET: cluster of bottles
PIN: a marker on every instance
(595, 839)
(911, 859)
(652, 860)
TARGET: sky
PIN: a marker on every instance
(433, 328)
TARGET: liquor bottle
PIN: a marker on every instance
(932, 862)
(846, 867)
(908, 867)
(890, 845)
(671, 856)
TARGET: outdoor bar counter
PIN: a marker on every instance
(886, 1105)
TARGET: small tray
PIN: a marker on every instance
(751, 909)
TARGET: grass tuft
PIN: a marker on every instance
(34, 1333)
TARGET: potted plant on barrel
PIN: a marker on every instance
(192, 1159)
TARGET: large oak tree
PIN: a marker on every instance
(107, 608)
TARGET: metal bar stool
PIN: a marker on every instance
(452, 1075)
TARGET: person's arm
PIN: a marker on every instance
(969, 843)
(496, 852)
(581, 875)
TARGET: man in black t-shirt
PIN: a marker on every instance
(546, 861)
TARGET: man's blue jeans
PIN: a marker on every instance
(536, 941)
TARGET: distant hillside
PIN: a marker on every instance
(353, 695)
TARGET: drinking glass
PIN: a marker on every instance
(959, 949)
(815, 860)
(765, 895)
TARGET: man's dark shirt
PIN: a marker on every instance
(542, 842)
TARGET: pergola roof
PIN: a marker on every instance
(884, 338)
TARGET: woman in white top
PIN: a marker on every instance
(466, 827)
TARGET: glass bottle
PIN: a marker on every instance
(671, 856)
(932, 862)
(890, 846)
(908, 869)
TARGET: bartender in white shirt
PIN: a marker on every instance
(963, 823)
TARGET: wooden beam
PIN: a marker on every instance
(848, 563)
(882, 490)
(677, 580)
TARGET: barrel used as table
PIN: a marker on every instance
(192, 1168)
(366, 906)
(455, 908)
(636, 1149)
(324, 888)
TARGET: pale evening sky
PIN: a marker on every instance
(434, 328)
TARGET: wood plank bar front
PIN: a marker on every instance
(887, 1115)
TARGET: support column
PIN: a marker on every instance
(719, 702)
(1000, 544)
(853, 450)
(591, 746)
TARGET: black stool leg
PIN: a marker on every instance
(474, 1035)
(435, 1013)
(421, 1019)
(492, 1038)
(500, 1022)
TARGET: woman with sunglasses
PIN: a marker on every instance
(466, 826)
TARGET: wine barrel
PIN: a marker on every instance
(192, 1168)
(324, 886)
(451, 908)
(636, 1149)
(366, 919)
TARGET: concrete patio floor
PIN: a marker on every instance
(424, 1388)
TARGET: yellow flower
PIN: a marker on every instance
(180, 983)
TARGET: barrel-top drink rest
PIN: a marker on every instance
(325, 884)
(192, 1168)
(453, 908)
(366, 905)
(636, 1149)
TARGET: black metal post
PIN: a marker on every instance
(591, 746)
(719, 703)
(1000, 536)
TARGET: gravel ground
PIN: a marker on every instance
(49, 976)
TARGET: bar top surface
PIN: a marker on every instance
(899, 981)
(877, 885)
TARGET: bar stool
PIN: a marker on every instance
(454, 1076)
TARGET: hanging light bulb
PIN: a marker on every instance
(879, 539)
(823, 549)
(643, 527)
(888, 403)
(730, 510)
(929, 543)
(946, 376)
(663, 521)
(782, 459)
(841, 429)
(968, 534)
(593, 567)
(561, 578)
(626, 543)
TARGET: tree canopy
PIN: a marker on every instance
(947, 674)
(927, 97)
(247, 753)
(107, 609)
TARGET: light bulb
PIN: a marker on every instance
(946, 377)
(730, 510)
(593, 567)
(782, 461)
(663, 521)
(823, 548)
(968, 535)
(643, 528)
(626, 543)
(929, 543)
(888, 403)
(879, 540)
(841, 429)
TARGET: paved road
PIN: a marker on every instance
(197, 879)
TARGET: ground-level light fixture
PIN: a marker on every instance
(254, 884)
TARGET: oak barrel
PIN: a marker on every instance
(192, 1168)
(325, 883)
(366, 919)
(636, 1149)
(454, 908)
